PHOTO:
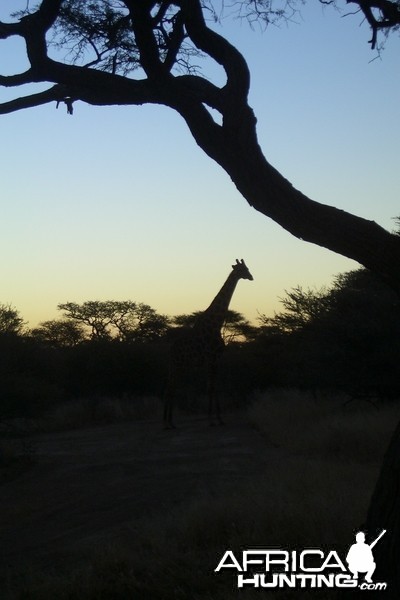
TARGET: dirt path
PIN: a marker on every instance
(86, 485)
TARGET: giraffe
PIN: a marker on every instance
(202, 344)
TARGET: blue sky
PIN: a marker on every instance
(120, 203)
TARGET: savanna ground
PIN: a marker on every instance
(123, 510)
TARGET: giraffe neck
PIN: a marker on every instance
(215, 315)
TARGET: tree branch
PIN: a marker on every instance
(162, 11)
(19, 79)
(176, 38)
(56, 93)
(233, 145)
(142, 25)
(213, 44)
(99, 87)
(200, 89)
(94, 87)
(389, 10)
(9, 29)
(48, 12)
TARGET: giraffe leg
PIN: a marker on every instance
(168, 404)
(214, 409)
(218, 410)
(168, 424)
(167, 413)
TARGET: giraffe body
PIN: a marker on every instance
(201, 345)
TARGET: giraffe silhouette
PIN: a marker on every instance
(202, 344)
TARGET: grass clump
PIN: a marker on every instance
(329, 428)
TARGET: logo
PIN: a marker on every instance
(361, 560)
(308, 568)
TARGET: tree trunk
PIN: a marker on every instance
(236, 149)
(384, 513)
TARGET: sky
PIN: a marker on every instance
(119, 202)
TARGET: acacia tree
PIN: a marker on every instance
(125, 52)
(62, 333)
(97, 316)
(300, 307)
(123, 320)
(11, 321)
(236, 327)
(130, 52)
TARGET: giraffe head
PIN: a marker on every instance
(241, 270)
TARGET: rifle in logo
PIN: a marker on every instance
(360, 558)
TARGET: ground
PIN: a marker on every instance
(87, 486)
(294, 473)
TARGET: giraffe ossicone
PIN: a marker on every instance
(203, 344)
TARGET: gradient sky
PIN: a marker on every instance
(120, 203)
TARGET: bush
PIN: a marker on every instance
(325, 427)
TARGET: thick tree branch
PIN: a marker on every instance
(238, 152)
(33, 27)
(200, 90)
(142, 24)
(233, 145)
(15, 80)
(56, 93)
(9, 29)
(91, 86)
(48, 12)
(219, 49)
(98, 87)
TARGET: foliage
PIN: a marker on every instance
(344, 337)
(121, 52)
(122, 320)
(98, 35)
(325, 426)
(10, 320)
(236, 326)
(301, 307)
(62, 333)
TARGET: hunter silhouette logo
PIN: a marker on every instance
(360, 558)
(307, 568)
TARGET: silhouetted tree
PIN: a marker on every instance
(108, 41)
(11, 321)
(62, 333)
(236, 326)
(300, 308)
(364, 326)
(96, 315)
(344, 337)
(112, 319)
(141, 324)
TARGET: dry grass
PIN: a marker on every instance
(16, 456)
(173, 557)
(85, 412)
(314, 493)
(325, 427)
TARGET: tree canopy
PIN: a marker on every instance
(11, 321)
(124, 320)
(344, 337)
(236, 327)
(115, 52)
